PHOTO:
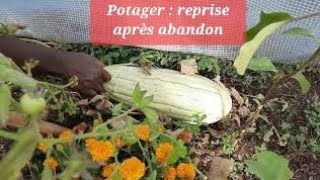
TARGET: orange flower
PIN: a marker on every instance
(67, 135)
(163, 152)
(108, 170)
(132, 169)
(99, 150)
(118, 142)
(42, 147)
(143, 132)
(186, 171)
(185, 136)
(170, 174)
(52, 163)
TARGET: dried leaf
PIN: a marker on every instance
(237, 96)
(189, 67)
(244, 111)
(220, 169)
(267, 136)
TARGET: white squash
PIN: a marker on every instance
(177, 95)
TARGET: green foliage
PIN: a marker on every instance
(297, 31)
(139, 98)
(269, 166)
(180, 150)
(262, 64)
(265, 20)
(209, 64)
(313, 117)
(5, 99)
(248, 50)
(18, 156)
(303, 82)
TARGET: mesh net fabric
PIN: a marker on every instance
(68, 21)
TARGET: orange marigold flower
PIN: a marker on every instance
(132, 169)
(170, 174)
(186, 171)
(185, 136)
(163, 152)
(108, 170)
(99, 150)
(143, 132)
(42, 147)
(118, 142)
(67, 135)
(52, 163)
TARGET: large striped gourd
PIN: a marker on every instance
(175, 94)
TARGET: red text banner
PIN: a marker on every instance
(168, 22)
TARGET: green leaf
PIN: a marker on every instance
(139, 98)
(297, 31)
(265, 20)
(249, 49)
(209, 64)
(152, 176)
(46, 173)
(5, 61)
(18, 156)
(5, 98)
(303, 82)
(116, 110)
(75, 165)
(269, 166)
(17, 77)
(137, 94)
(179, 151)
(262, 64)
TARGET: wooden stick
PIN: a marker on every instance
(16, 120)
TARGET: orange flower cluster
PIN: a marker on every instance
(42, 147)
(132, 169)
(163, 152)
(99, 150)
(118, 142)
(52, 163)
(170, 174)
(186, 171)
(67, 135)
(108, 170)
(143, 132)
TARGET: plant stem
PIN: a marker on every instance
(9, 135)
(306, 16)
(124, 114)
(282, 80)
(145, 155)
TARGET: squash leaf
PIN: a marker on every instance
(249, 49)
(269, 23)
(262, 64)
(303, 82)
(265, 20)
(5, 98)
(269, 166)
